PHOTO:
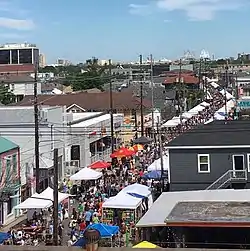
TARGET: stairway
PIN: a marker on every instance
(227, 178)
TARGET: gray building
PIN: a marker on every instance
(212, 156)
(17, 125)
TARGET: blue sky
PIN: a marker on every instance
(123, 29)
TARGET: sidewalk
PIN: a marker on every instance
(18, 220)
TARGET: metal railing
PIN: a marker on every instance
(105, 156)
(227, 177)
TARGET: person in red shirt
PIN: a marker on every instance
(82, 226)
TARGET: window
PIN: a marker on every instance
(203, 163)
(248, 162)
(4, 56)
(14, 163)
(8, 168)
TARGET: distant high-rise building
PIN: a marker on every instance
(18, 57)
(42, 60)
(63, 62)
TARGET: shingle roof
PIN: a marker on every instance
(217, 133)
(187, 79)
(89, 101)
(6, 145)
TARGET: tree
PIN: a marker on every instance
(93, 77)
(6, 96)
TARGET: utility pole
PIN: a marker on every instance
(36, 118)
(111, 106)
(161, 154)
(179, 88)
(55, 199)
(141, 96)
(225, 91)
(152, 91)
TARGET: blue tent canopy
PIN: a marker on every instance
(105, 231)
(139, 196)
(154, 175)
(4, 236)
(80, 242)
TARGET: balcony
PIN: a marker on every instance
(105, 156)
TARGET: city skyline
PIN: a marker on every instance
(124, 29)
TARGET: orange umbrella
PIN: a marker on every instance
(138, 147)
(122, 152)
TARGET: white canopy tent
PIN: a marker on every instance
(137, 188)
(86, 174)
(214, 85)
(170, 123)
(205, 104)
(220, 114)
(122, 201)
(228, 95)
(156, 165)
(33, 203)
(175, 121)
(194, 111)
(42, 200)
(48, 193)
(187, 115)
(208, 96)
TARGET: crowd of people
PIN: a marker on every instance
(216, 102)
(89, 196)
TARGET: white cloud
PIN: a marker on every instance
(140, 10)
(17, 24)
(200, 10)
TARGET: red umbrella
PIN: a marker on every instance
(100, 165)
(122, 152)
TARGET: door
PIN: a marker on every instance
(238, 162)
(238, 166)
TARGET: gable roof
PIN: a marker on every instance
(6, 145)
(89, 101)
(218, 134)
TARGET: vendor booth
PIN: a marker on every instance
(124, 206)
(42, 200)
(107, 232)
(86, 174)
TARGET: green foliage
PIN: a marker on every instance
(93, 77)
(6, 96)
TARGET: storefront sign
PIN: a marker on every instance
(244, 104)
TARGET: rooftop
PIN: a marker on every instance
(222, 212)
(216, 133)
(85, 115)
(6, 145)
(93, 121)
(186, 78)
(163, 206)
(90, 101)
